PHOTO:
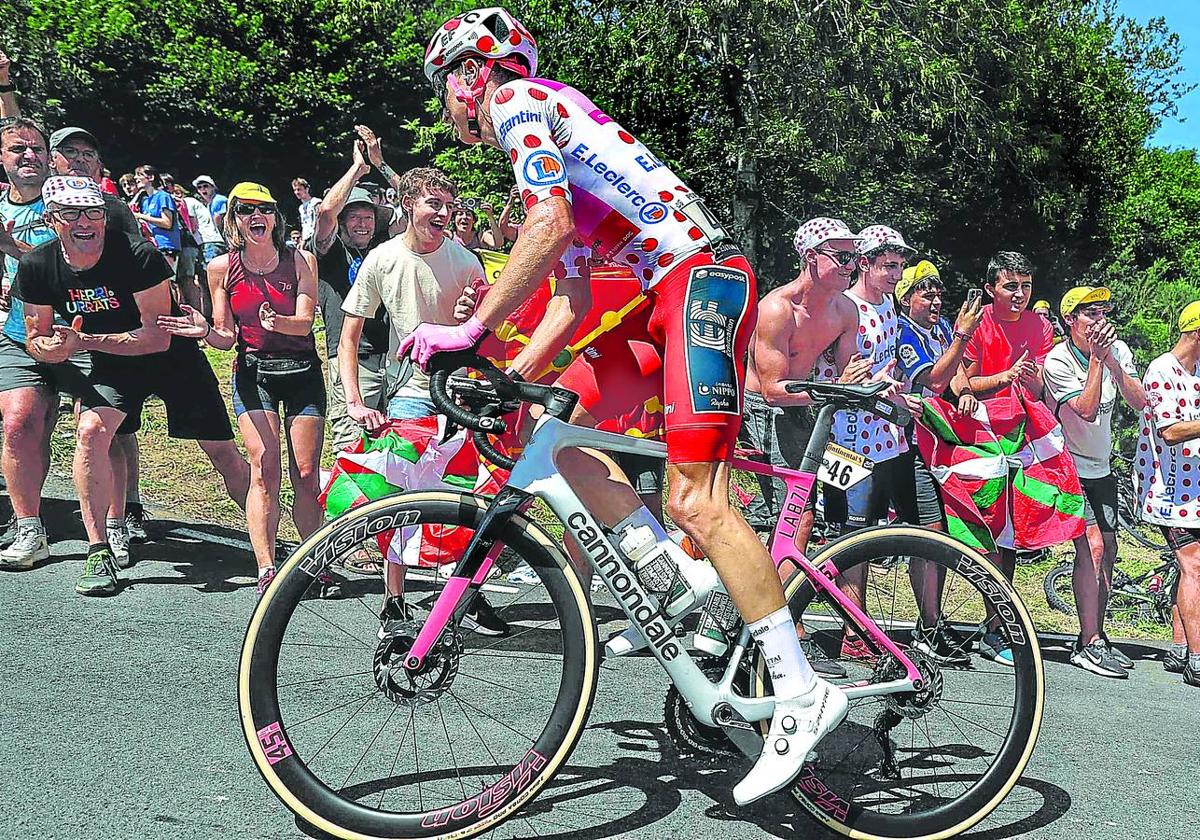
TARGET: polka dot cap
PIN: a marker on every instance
(815, 232)
(70, 191)
(876, 236)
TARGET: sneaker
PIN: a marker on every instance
(941, 644)
(484, 620)
(284, 550)
(395, 612)
(856, 650)
(1097, 659)
(10, 532)
(29, 547)
(1117, 654)
(328, 586)
(1173, 663)
(1191, 676)
(118, 541)
(822, 664)
(135, 525)
(995, 646)
(523, 574)
(99, 574)
(796, 727)
(264, 580)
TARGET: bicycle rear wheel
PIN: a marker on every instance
(359, 747)
(935, 762)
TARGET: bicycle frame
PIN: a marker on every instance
(536, 475)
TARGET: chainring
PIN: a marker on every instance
(693, 739)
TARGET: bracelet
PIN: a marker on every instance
(962, 336)
(7, 88)
(207, 333)
(387, 171)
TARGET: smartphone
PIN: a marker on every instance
(974, 295)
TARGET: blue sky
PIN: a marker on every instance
(1182, 16)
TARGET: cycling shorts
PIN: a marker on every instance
(689, 357)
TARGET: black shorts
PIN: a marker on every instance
(645, 472)
(300, 394)
(1100, 502)
(903, 483)
(180, 376)
(1179, 538)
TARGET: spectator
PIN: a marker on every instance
(308, 208)
(216, 203)
(1011, 342)
(349, 226)
(189, 246)
(8, 91)
(1167, 467)
(463, 223)
(208, 242)
(158, 210)
(1084, 375)
(107, 185)
(294, 239)
(929, 354)
(1043, 309)
(27, 401)
(420, 276)
(264, 295)
(509, 228)
(113, 289)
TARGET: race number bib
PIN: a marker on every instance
(842, 468)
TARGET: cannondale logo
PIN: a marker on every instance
(707, 327)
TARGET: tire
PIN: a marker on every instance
(1057, 588)
(548, 722)
(841, 786)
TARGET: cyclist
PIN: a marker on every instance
(1168, 462)
(1084, 375)
(591, 189)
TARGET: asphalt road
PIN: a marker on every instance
(119, 720)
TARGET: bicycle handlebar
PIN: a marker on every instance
(865, 397)
(478, 407)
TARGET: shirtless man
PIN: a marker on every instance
(799, 325)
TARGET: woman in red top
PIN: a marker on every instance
(264, 296)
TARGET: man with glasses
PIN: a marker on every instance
(112, 290)
(1084, 375)
(217, 204)
(27, 401)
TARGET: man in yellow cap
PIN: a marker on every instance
(1084, 374)
(1046, 311)
(1168, 478)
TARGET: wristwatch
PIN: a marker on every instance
(7, 88)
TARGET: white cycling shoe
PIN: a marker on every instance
(796, 727)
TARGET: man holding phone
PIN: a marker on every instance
(1084, 375)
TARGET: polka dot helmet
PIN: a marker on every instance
(488, 33)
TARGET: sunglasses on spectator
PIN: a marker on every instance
(840, 257)
(1095, 312)
(250, 209)
(72, 214)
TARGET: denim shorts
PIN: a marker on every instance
(410, 408)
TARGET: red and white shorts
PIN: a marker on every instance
(686, 350)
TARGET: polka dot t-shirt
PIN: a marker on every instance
(878, 337)
(1168, 477)
(629, 207)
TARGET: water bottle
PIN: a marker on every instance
(1155, 585)
(717, 622)
(676, 578)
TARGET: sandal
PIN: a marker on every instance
(362, 563)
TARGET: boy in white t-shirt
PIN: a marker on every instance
(420, 276)
(1168, 477)
(1083, 376)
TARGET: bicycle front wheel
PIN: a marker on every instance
(929, 763)
(360, 747)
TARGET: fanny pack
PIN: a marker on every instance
(275, 370)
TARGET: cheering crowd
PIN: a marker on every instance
(109, 299)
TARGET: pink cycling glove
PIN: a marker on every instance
(428, 339)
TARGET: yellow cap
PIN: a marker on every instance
(913, 275)
(1081, 295)
(1189, 318)
(250, 191)
(1042, 304)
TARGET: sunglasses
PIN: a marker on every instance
(1095, 312)
(842, 258)
(72, 214)
(250, 209)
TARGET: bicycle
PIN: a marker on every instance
(1148, 596)
(487, 723)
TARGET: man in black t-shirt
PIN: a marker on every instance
(111, 290)
(349, 225)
